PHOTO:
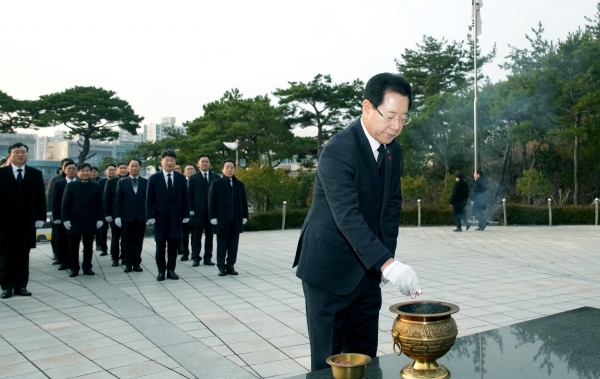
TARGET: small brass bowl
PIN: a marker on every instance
(356, 370)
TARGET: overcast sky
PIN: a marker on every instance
(168, 58)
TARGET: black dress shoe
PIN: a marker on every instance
(104, 253)
(457, 230)
(22, 292)
(232, 272)
(172, 275)
(484, 225)
(137, 268)
(63, 266)
(6, 294)
(160, 277)
(115, 263)
(209, 263)
(468, 226)
(222, 272)
(128, 269)
(185, 257)
(74, 273)
(55, 261)
(98, 248)
(196, 263)
(89, 272)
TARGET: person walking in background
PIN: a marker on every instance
(458, 200)
(102, 234)
(22, 210)
(49, 191)
(62, 241)
(167, 208)
(110, 191)
(228, 212)
(188, 171)
(82, 214)
(479, 189)
(198, 187)
(130, 215)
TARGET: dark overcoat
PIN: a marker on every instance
(108, 196)
(56, 201)
(20, 208)
(50, 189)
(459, 198)
(129, 205)
(352, 225)
(82, 206)
(479, 189)
(226, 206)
(198, 196)
(168, 212)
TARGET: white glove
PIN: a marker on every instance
(403, 277)
(57, 222)
(108, 218)
(118, 221)
(186, 220)
(99, 224)
(214, 221)
(244, 221)
(67, 225)
(39, 224)
(49, 214)
(191, 213)
(151, 221)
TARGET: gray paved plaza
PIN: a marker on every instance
(205, 326)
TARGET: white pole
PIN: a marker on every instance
(475, 83)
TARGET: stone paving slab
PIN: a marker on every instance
(253, 326)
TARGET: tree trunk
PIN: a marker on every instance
(85, 149)
(575, 167)
(504, 164)
(524, 156)
(319, 141)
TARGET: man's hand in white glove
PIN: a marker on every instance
(214, 221)
(108, 218)
(118, 221)
(151, 221)
(186, 220)
(403, 277)
(191, 213)
(99, 224)
(244, 221)
(39, 224)
(67, 225)
(49, 214)
(57, 222)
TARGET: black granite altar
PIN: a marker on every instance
(565, 345)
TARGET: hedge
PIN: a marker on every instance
(272, 220)
(538, 215)
(431, 214)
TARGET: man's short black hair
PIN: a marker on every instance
(16, 145)
(380, 84)
(137, 160)
(458, 174)
(479, 172)
(227, 160)
(168, 153)
(68, 163)
(81, 166)
(122, 164)
(3, 161)
(190, 164)
(64, 160)
(58, 170)
(109, 165)
(202, 156)
(94, 168)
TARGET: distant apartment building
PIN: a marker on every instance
(156, 132)
(7, 139)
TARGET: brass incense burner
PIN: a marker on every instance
(424, 331)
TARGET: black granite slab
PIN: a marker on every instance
(565, 345)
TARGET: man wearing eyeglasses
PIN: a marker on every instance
(348, 240)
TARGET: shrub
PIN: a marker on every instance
(533, 185)
(431, 214)
(534, 215)
(294, 219)
(414, 188)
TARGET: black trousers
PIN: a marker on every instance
(132, 239)
(53, 239)
(342, 323)
(115, 238)
(88, 244)
(197, 241)
(185, 238)
(171, 251)
(14, 268)
(102, 237)
(227, 248)
(478, 212)
(62, 244)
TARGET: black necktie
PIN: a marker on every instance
(20, 176)
(169, 185)
(206, 177)
(134, 180)
(380, 156)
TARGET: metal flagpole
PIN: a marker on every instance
(475, 82)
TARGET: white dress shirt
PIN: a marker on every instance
(372, 141)
(167, 178)
(16, 173)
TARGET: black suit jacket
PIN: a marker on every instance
(82, 206)
(50, 190)
(20, 208)
(459, 197)
(56, 201)
(227, 208)
(168, 213)
(109, 194)
(129, 205)
(352, 225)
(102, 183)
(198, 196)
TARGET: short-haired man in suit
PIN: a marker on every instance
(130, 215)
(198, 187)
(22, 210)
(167, 208)
(228, 212)
(348, 240)
(49, 191)
(110, 190)
(82, 214)
(459, 200)
(102, 235)
(188, 170)
(62, 241)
